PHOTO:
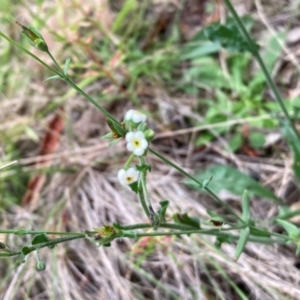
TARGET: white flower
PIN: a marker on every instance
(136, 142)
(129, 176)
(135, 116)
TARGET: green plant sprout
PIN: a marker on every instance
(134, 129)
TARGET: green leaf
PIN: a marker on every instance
(66, 67)
(291, 229)
(107, 136)
(187, 220)
(195, 50)
(134, 187)
(31, 133)
(215, 218)
(40, 238)
(144, 167)
(244, 235)
(162, 211)
(206, 182)
(127, 7)
(232, 180)
(228, 36)
(114, 141)
(236, 142)
(25, 250)
(52, 77)
(257, 139)
(259, 231)
(223, 239)
(245, 207)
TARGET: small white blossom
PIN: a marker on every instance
(136, 142)
(129, 176)
(135, 116)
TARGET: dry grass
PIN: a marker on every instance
(187, 267)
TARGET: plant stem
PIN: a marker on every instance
(129, 160)
(80, 91)
(24, 232)
(218, 233)
(162, 225)
(57, 65)
(52, 242)
(142, 198)
(197, 181)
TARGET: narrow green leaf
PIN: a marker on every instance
(52, 77)
(114, 141)
(127, 7)
(66, 67)
(241, 242)
(291, 229)
(259, 231)
(107, 136)
(162, 211)
(206, 182)
(245, 207)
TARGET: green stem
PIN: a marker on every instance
(142, 198)
(163, 225)
(143, 176)
(57, 65)
(80, 91)
(218, 233)
(52, 242)
(256, 54)
(24, 232)
(197, 181)
(129, 160)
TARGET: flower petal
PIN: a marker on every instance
(129, 136)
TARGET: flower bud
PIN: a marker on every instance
(40, 266)
(149, 134)
(34, 37)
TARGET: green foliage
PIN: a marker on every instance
(187, 220)
(40, 238)
(257, 139)
(245, 207)
(232, 180)
(162, 211)
(244, 235)
(228, 35)
(205, 74)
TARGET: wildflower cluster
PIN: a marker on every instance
(137, 137)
